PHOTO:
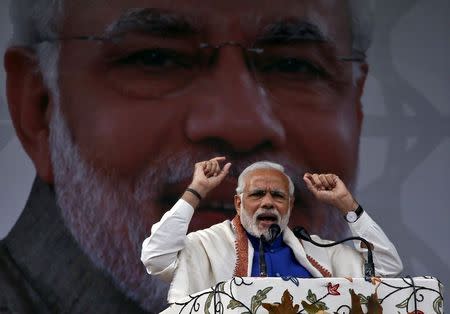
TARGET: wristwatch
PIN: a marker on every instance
(353, 215)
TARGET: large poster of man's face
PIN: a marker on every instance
(110, 104)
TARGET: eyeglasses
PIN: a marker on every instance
(155, 67)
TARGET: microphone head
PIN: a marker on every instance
(274, 230)
(301, 233)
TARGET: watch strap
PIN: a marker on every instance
(359, 210)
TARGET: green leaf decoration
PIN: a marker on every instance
(259, 297)
(208, 303)
(221, 286)
(438, 304)
(363, 298)
(402, 304)
(310, 308)
(321, 305)
(311, 296)
(233, 304)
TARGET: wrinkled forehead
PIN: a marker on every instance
(213, 19)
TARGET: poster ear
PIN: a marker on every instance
(360, 83)
(29, 106)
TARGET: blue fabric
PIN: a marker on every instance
(280, 259)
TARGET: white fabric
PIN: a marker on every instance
(200, 259)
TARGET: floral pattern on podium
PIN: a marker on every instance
(249, 295)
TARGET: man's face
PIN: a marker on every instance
(264, 201)
(142, 109)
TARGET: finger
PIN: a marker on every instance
(307, 177)
(330, 179)
(316, 181)
(215, 168)
(207, 169)
(309, 184)
(339, 183)
(199, 166)
(336, 179)
(221, 158)
(324, 182)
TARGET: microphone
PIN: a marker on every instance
(369, 267)
(274, 231)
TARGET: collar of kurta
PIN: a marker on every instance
(241, 248)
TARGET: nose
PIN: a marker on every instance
(267, 201)
(232, 107)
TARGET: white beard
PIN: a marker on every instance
(250, 223)
(110, 218)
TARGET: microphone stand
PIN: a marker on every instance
(274, 230)
(369, 266)
(262, 259)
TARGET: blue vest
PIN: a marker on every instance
(280, 259)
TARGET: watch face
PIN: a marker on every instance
(351, 216)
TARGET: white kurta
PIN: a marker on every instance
(203, 258)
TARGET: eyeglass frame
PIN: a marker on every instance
(359, 57)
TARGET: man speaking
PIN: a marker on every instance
(264, 196)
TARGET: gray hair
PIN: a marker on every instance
(362, 24)
(262, 165)
(34, 20)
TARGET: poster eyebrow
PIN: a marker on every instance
(290, 30)
(153, 21)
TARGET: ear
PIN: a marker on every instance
(237, 204)
(29, 106)
(360, 83)
(291, 202)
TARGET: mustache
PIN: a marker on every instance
(264, 211)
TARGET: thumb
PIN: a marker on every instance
(224, 171)
(216, 180)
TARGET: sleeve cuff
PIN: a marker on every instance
(360, 226)
(184, 209)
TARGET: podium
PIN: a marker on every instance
(318, 295)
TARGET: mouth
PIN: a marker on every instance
(266, 219)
